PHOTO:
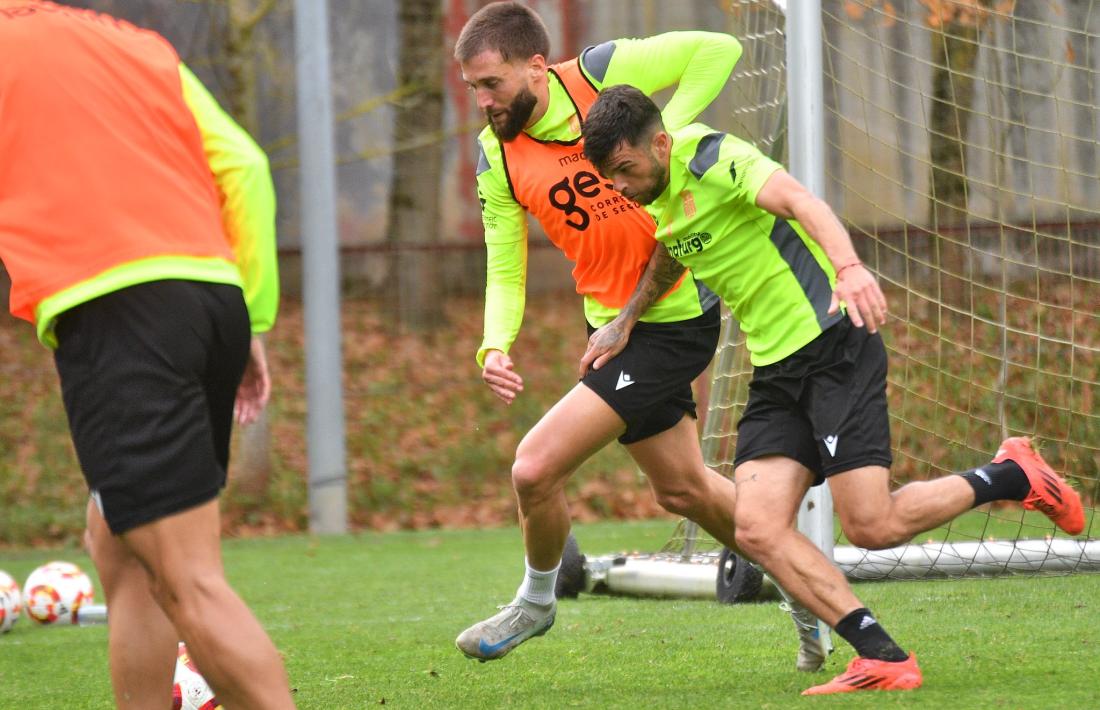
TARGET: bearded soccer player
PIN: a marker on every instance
(137, 224)
(781, 260)
(531, 162)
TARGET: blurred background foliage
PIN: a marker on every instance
(928, 158)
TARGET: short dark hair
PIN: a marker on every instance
(513, 29)
(620, 114)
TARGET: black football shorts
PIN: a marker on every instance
(824, 406)
(149, 375)
(648, 384)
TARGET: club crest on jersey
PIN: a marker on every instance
(691, 244)
(689, 203)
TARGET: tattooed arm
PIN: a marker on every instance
(660, 274)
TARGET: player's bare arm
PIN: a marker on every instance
(499, 373)
(660, 274)
(255, 388)
(856, 287)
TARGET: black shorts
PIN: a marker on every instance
(824, 406)
(149, 375)
(648, 384)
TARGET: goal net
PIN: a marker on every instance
(963, 153)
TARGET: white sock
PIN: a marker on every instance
(538, 587)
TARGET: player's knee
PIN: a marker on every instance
(755, 538)
(680, 498)
(871, 535)
(531, 478)
(675, 502)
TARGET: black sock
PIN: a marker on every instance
(998, 481)
(868, 638)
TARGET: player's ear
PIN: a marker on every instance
(536, 66)
(661, 143)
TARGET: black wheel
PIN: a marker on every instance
(738, 581)
(571, 576)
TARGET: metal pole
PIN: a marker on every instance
(806, 114)
(805, 94)
(806, 130)
(320, 272)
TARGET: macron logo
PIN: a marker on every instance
(830, 444)
(983, 475)
(624, 380)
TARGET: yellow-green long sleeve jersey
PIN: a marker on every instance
(697, 63)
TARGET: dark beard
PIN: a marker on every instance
(519, 111)
(660, 182)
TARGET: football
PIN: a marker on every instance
(55, 591)
(9, 586)
(8, 611)
(189, 690)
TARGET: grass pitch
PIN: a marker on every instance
(370, 620)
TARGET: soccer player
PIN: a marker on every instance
(137, 226)
(531, 162)
(781, 260)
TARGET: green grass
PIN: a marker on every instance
(428, 446)
(372, 618)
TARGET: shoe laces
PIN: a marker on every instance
(516, 617)
(1036, 502)
(801, 615)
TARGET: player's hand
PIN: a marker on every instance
(858, 289)
(604, 344)
(255, 387)
(500, 375)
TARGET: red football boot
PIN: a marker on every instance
(872, 674)
(1049, 494)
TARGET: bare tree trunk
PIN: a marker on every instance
(414, 215)
(954, 54)
(240, 60)
(252, 474)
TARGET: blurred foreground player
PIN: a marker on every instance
(137, 226)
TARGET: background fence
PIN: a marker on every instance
(961, 148)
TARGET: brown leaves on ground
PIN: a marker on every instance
(428, 445)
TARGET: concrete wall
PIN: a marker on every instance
(1031, 156)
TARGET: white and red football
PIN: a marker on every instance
(55, 591)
